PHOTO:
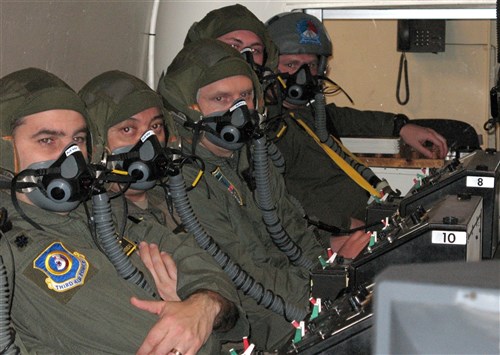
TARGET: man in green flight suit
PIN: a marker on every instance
(69, 296)
(212, 92)
(123, 109)
(327, 192)
(324, 190)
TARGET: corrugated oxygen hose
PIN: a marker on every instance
(7, 335)
(264, 199)
(324, 136)
(106, 233)
(276, 157)
(241, 279)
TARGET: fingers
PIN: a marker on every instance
(416, 136)
(356, 223)
(145, 255)
(169, 263)
(148, 254)
(154, 307)
(354, 245)
(160, 264)
(336, 243)
(162, 268)
(439, 142)
(424, 151)
(179, 329)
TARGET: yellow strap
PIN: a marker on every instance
(197, 179)
(347, 168)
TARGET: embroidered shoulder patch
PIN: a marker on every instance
(64, 270)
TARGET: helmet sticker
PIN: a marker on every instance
(308, 32)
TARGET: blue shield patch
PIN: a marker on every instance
(64, 270)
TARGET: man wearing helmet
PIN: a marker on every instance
(69, 294)
(326, 192)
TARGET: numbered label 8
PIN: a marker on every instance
(480, 181)
(448, 237)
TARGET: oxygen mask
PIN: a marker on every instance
(233, 128)
(57, 185)
(145, 162)
(301, 86)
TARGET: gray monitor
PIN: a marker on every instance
(438, 308)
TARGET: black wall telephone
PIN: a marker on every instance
(421, 36)
(424, 36)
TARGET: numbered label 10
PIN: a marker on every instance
(449, 237)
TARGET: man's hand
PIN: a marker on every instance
(351, 245)
(355, 244)
(184, 326)
(162, 268)
(416, 136)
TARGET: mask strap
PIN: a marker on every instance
(17, 206)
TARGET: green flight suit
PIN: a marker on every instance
(92, 312)
(234, 221)
(324, 190)
(225, 205)
(156, 210)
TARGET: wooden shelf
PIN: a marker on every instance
(396, 161)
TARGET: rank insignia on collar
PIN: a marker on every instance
(64, 270)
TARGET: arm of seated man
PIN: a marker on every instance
(416, 136)
(349, 246)
(186, 325)
(183, 325)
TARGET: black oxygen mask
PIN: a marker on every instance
(58, 185)
(145, 162)
(301, 87)
(231, 129)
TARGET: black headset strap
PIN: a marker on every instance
(17, 206)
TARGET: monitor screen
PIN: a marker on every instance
(438, 308)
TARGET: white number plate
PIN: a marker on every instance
(480, 181)
(449, 237)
